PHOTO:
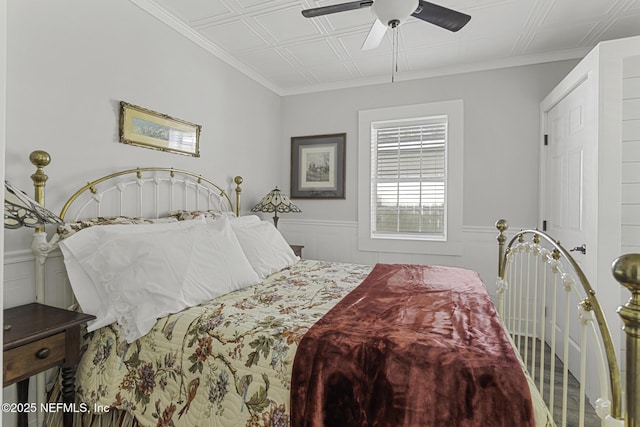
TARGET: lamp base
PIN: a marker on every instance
(275, 220)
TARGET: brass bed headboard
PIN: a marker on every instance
(193, 191)
(197, 192)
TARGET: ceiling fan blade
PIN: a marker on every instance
(441, 16)
(375, 36)
(335, 8)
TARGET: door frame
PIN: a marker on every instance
(582, 89)
(604, 67)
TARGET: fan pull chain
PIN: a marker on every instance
(394, 66)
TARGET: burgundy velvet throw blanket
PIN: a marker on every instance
(413, 345)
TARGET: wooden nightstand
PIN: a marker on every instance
(40, 338)
(297, 249)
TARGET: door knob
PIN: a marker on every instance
(582, 248)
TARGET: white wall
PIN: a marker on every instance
(630, 223)
(71, 62)
(631, 155)
(501, 137)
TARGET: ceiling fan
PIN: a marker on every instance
(392, 13)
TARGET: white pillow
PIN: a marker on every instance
(95, 299)
(147, 275)
(263, 245)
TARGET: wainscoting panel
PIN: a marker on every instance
(326, 240)
(338, 241)
(19, 280)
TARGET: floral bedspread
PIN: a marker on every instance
(224, 363)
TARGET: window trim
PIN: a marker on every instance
(453, 109)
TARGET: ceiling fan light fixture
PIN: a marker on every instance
(396, 10)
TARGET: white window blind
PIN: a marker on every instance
(409, 178)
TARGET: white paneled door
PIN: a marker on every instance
(568, 158)
(570, 196)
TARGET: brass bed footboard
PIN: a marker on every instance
(626, 270)
(551, 311)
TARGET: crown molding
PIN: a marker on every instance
(518, 61)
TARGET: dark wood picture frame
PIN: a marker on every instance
(318, 166)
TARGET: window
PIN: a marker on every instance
(410, 179)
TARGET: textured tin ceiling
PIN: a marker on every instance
(271, 42)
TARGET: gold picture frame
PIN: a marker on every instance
(150, 129)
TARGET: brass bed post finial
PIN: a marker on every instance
(39, 159)
(502, 225)
(238, 180)
(626, 270)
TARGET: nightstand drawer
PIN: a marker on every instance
(29, 359)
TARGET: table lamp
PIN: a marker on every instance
(275, 202)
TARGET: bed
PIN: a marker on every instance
(265, 351)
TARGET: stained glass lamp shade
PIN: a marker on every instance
(21, 210)
(275, 202)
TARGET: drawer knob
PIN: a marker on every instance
(43, 354)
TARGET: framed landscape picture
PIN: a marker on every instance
(150, 129)
(318, 166)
